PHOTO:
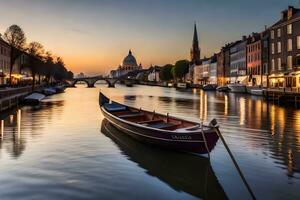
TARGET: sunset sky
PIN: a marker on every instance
(93, 36)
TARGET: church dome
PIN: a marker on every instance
(129, 61)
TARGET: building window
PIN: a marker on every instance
(272, 34)
(279, 63)
(290, 45)
(298, 42)
(289, 29)
(289, 62)
(278, 47)
(273, 46)
(279, 32)
(273, 64)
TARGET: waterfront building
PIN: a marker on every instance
(201, 72)
(129, 64)
(5, 51)
(284, 52)
(220, 68)
(238, 64)
(153, 75)
(212, 70)
(223, 65)
(254, 60)
(197, 74)
(265, 35)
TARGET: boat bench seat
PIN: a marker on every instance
(131, 115)
(150, 121)
(162, 125)
(113, 107)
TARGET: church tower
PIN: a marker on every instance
(195, 50)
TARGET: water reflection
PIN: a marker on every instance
(183, 172)
(11, 127)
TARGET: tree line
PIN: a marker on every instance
(175, 72)
(39, 62)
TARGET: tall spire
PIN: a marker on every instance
(195, 50)
(195, 39)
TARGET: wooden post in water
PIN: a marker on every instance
(235, 163)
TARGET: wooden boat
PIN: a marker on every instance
(210, 87)
(34, 98)
(160, 130)
(188, 173)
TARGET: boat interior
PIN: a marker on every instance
(150, 119)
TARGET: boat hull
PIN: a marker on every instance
(172, 140)
(237, 88)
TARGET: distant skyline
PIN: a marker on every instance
(93, 36)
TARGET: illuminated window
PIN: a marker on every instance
(273, 64)
(278, 47)
(273, 47)
(298, 42)
(289, 62)
(279, 32)
(289, 29)
(290, 45)
(279, 63)
(272, 34)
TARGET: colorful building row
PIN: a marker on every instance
(267, 59)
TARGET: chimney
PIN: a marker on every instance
(284, 15)
(290, 12)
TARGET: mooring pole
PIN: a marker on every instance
(235, 163)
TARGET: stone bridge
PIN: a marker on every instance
(90, 81)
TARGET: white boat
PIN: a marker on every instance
(257, 92)
(34, 98)
(181, 85)
(49, 91)
(170, 85)
(237, 88)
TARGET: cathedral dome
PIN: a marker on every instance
(129, 61)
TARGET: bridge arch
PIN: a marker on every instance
(110, 81)
(75, 81)
(92, 81)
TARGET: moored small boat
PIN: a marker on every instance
(210, 87)
(60, 88)
(223, 88)
(160, 130)
(237, 88)
(181, 85)
(257, 92)
(170, 84)
(34, 98)
(49, 91)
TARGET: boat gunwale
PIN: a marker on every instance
(156, 129)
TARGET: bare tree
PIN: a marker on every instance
(15, 36)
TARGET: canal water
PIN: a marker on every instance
(64, 149)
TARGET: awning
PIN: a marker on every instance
(241, 79)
